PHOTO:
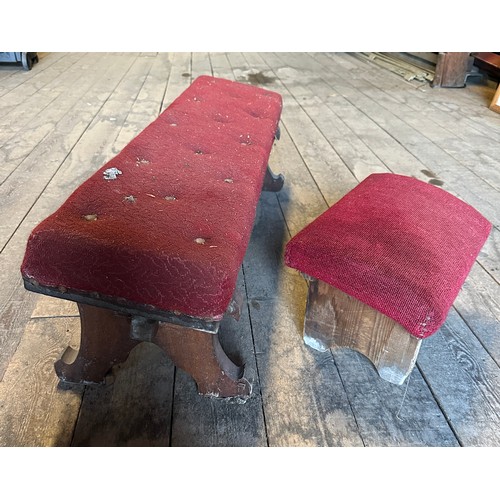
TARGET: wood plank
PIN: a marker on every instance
(134, 410)
(319, 91)
(22, 77)
(465, 380)
(200, 65)
(489, 257)
(468, 147)
(51, 307)
(323, 163)
(468, 105)
(16, 145)
(360, 160)
(16, 126)
(461, 104)
(35, 408)
(466, 109)
(201, 421)
(388, 414)
(478, 303)
(30, 87)
(180, 77)
(7, 70)
(237, 62)
(467, 118)
(221, 66)
(30, 107)
(146, 106)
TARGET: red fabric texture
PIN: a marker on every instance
(172, 228)
(397, 244)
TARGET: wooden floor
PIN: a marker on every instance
(343, 119)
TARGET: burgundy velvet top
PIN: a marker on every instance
(167, 221)
(400, 245)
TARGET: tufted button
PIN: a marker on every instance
(253, 113)
(245, 140)
(141, 161)
(219, 117)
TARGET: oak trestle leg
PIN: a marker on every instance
(107, 337)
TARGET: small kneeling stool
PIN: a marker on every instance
(385, 264)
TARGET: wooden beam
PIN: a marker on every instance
(451, 69)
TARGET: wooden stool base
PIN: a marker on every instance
(335, 320)
(107, 337)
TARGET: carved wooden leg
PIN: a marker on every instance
(335, 319)
(201, 356)
(273, 182)
(105, 341)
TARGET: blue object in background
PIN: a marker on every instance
(27, 59)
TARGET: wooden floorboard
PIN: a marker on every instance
(20, 137)
(343, 119)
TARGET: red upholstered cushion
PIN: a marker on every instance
(171, 229)
(402, 246)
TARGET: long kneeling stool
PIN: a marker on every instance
(385, 264)
(150, 246)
